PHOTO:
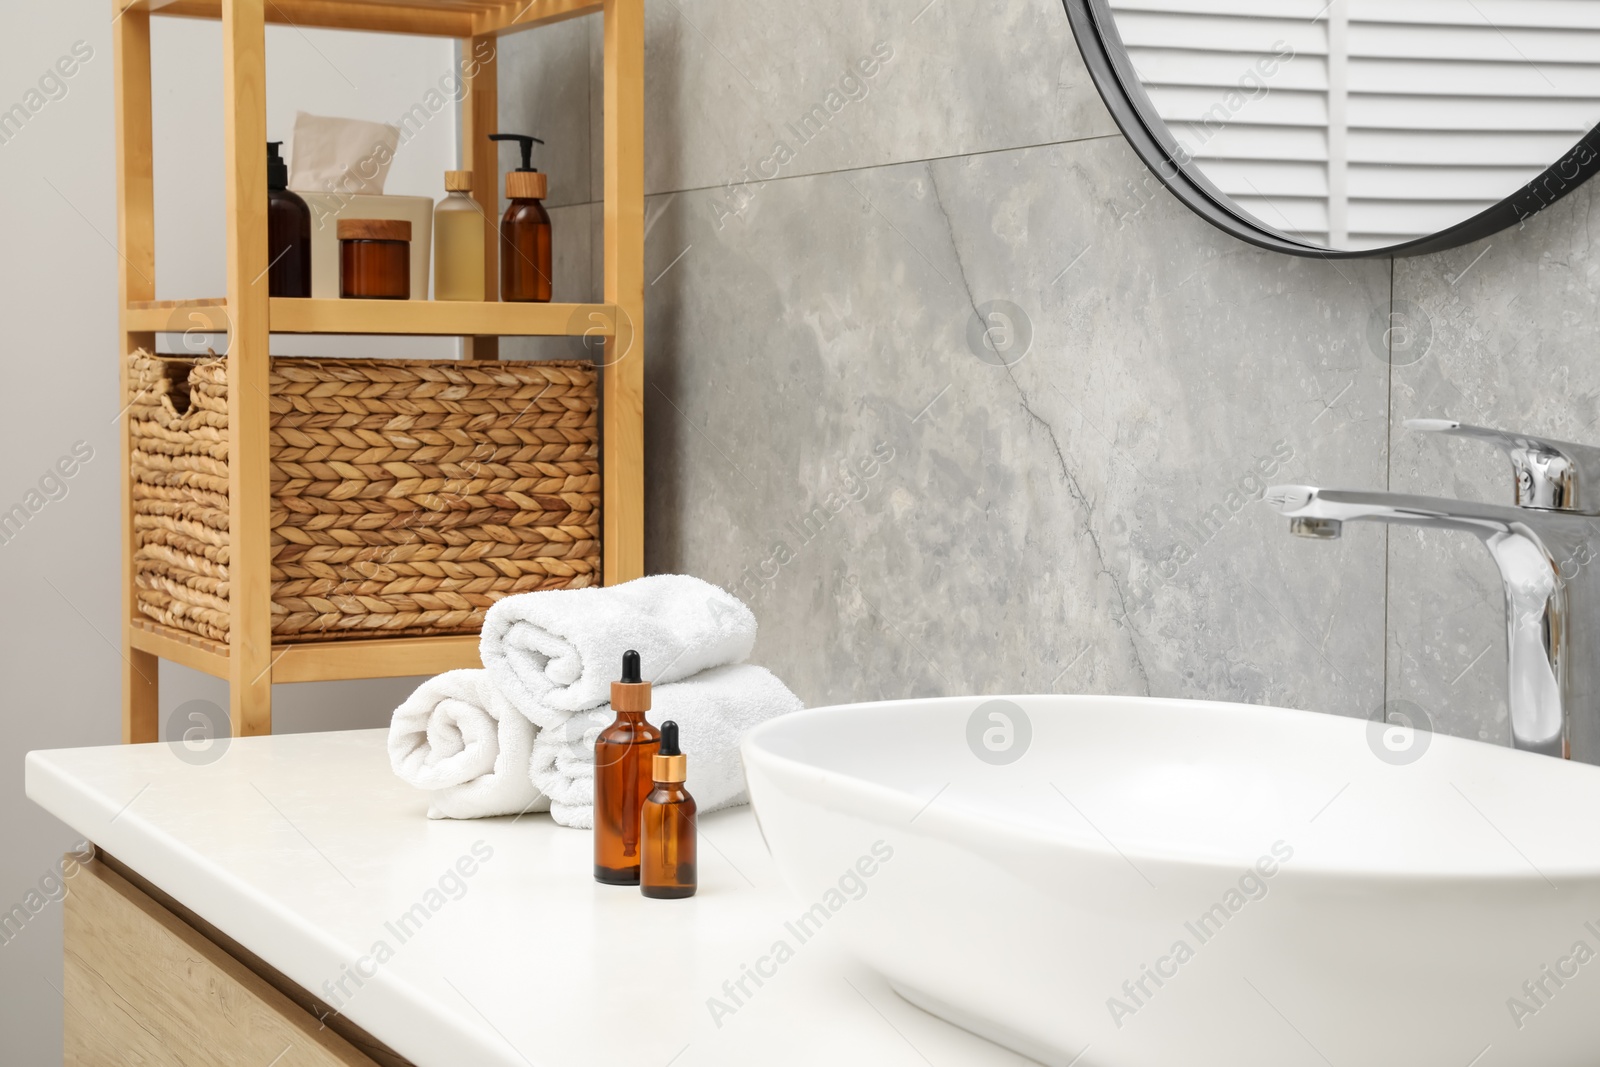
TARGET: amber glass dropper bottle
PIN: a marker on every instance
(622, 754)
(667, 861)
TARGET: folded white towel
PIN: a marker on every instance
(459, 738)
(713, 711)
(556, 652)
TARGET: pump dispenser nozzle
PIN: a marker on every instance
(525, 141)
(277, 169)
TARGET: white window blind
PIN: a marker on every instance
(1381, 120)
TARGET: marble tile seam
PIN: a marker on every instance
(868, 167)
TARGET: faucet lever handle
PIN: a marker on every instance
(1550, 475)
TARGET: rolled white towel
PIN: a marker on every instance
(458, 738)
(713, 711)
(558, 651)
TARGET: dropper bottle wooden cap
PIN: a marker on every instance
(632, 693)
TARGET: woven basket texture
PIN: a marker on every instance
(407, 495)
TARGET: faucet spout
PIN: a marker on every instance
(1525, 545)
(1350, 505)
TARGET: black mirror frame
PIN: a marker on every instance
(1103, 53)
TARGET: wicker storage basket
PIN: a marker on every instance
(407, 495)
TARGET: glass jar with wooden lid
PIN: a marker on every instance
(375, 259)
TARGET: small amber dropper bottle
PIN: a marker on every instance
(622, 755)
(667, 861)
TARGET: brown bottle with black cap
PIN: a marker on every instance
(622, 779)
(288, 232)
(667, 844)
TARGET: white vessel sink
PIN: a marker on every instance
(1364, 905)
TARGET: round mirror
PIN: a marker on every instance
(1344, 128)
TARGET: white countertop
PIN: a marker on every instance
(308, 851)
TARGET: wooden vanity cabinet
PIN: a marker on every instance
(149, 983)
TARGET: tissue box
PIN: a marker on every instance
(328, 208)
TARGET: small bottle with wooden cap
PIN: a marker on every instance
(458, 225)
(667, 843)
(375, 259)
(622, 755)
(526, 260)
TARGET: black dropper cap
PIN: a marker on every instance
(630, 668)
(525, 141)
(669, 739)
(277, 169)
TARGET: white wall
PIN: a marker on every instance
(59, 653)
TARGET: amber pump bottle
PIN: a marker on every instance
(288, 232)
(667, 842)
(526, 259)
(622, 765)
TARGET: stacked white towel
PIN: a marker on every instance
(461, 740)
(713, 711)
(557, 652)
(519, 735)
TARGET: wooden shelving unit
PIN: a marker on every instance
(451, 317)
(250, 662)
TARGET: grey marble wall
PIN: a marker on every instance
(843, 196)
(1506, 336)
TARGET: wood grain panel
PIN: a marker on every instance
(244, 107)
(622, 377)
(480, 116)
(143, 987)
(136, 278)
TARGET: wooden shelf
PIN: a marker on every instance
(252, 661)
(316, 661)
(430, 18)
(460, 318)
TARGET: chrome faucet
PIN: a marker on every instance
(1547, 548)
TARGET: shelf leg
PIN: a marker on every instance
(141, 696)
(136, 281)
(622, 377)
(244, 73)
(479, 118)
